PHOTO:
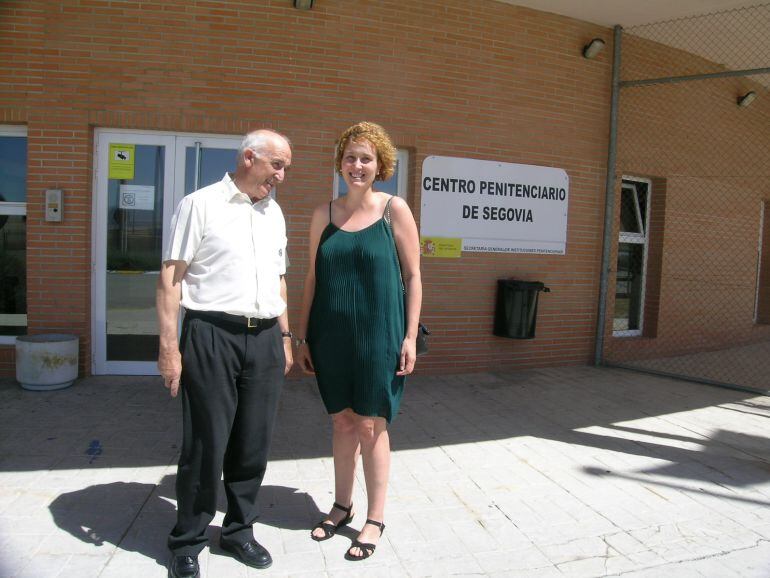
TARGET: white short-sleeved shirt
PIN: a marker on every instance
(235, 251)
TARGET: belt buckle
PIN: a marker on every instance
(254, 320)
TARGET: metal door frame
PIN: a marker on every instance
(173, 186)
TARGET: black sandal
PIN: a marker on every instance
(330, 528)
(366, 549)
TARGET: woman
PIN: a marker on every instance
(359, 318)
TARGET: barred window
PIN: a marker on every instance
(632, 257)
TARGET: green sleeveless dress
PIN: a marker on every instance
(356, 323)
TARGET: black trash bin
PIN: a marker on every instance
(516, 309)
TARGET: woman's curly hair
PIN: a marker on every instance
(380, 140)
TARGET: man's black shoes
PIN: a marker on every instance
(250, 553)
(184, 567)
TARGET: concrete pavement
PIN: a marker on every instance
(565, 472)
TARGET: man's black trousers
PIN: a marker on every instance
(231, 381)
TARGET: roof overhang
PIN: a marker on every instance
(630, 12)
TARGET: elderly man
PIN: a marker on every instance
(225, 262)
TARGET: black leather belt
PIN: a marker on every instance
(239, 320)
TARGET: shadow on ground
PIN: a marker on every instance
(137, 517)
(132, 422)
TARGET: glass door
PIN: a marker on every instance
(140, 178)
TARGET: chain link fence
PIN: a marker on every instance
(689, 292)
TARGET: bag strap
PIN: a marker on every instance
(420, 327)
(386, 216)
(386, 213)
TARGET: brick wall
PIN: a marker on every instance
(483, 80)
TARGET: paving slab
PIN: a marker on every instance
(555, 472)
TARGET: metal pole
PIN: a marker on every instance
(609, 198)
(704, 76)
(197, 174)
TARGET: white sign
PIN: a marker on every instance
(137, 197)
(494, 206)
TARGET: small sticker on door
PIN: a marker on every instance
(121, 161)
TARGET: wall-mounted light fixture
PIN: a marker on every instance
(593, 48)
(747, 98)
(303, 4)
